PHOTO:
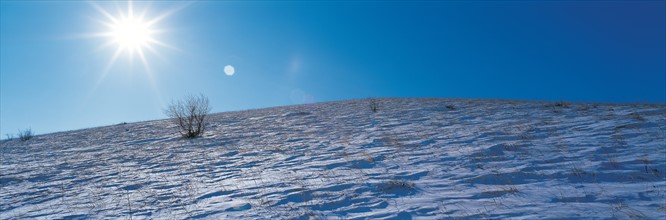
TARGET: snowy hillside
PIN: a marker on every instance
(414, 158)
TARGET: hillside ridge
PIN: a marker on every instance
(413, 158)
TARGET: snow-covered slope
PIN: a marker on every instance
(414, 158)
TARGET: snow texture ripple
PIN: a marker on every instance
(413, 158)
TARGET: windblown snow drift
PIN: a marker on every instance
(413, 158)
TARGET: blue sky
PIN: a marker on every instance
(55, 73)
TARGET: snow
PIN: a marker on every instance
(414, 158)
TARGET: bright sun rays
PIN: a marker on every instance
(131, 33)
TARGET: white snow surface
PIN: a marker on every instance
(414, 158)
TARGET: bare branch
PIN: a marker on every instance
(189, 114)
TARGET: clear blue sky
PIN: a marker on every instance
(55, 72)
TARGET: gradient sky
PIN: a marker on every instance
(55, 74)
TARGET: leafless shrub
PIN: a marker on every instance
(374, 105)
(189, 114)
(25, 135)
(561, 104)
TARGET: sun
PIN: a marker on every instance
(131, 33)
